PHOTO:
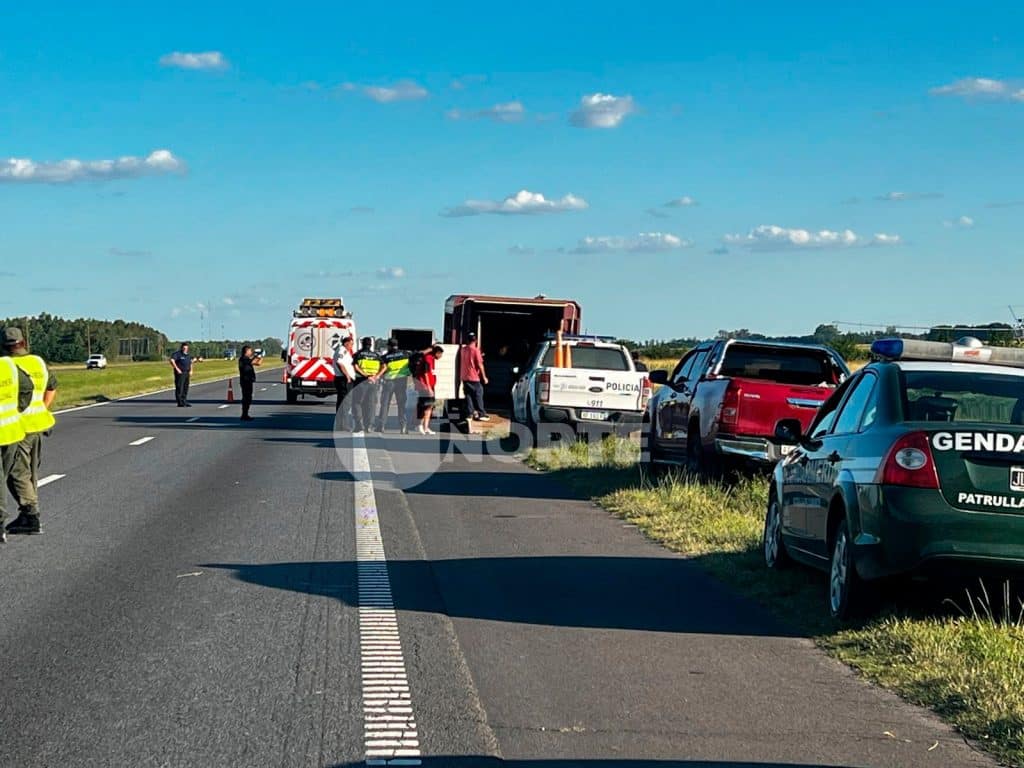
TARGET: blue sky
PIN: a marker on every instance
(861, 163)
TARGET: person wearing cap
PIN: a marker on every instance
(22, 477)
(344, 377)
(395, 384)
(181, 362)
(247, 378)
(369, 370)
(473, 377)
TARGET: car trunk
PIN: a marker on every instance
(980, 466)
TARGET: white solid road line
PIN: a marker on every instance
(391, 736)
(193, 419)
(49, 479)
(141, 441)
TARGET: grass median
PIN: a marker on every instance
(78, 386)
(953, 656)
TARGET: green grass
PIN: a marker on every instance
(78, 386)
(958, 660)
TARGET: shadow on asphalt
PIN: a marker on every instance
(478, 761)
(653, 594)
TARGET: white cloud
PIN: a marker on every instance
(508, 112)
(391, 273)
(897, 197)
(403, 90)
(521, 250)
(14, 170)
(204, 60)
(602, 110)
(963, 222)
(681, 202)
(981, 88)
(772, 237)
(461, 83)
(522, 202)
(645, 242)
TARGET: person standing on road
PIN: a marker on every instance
(344, 377)
(15, 397)
(396, 385)
(369, 369)
(247, 378)
(37, 420)
(473, 377)
(181, 362)
(426, 382)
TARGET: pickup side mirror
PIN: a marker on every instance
(658, 377)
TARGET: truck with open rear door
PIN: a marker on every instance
(508, 330)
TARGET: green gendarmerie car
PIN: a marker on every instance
(917, 460)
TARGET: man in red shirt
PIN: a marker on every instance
(426, 380)
(473, 376)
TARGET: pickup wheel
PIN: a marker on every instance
(699, 463)
(651, 458)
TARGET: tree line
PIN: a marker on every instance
(64, 340)
(852, 345)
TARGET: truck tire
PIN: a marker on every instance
(291, 396)
(700, 463)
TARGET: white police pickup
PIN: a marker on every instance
(597, 383)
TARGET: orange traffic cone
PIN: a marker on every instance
(231, 392)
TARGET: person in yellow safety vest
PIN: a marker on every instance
(36, 420)
(395, 384)
(369, 370)
(15, 398)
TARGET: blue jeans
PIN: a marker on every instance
(474, 398)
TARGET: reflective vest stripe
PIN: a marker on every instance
(11, 428)
(37, 417)
(398, 368)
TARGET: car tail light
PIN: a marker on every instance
(645, 392)
(731, 406)
(909, 463)
(544, 387)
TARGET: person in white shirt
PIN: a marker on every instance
(344, 376)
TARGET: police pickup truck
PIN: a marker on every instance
(590, 380)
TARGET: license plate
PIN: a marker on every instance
(593, 415)
(1017, 479)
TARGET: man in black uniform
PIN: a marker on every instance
(369, 369)
(181, 362)
(395, 384)
(247, 377)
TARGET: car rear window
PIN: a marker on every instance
(597, 358)
(804, 367)
(989, 398)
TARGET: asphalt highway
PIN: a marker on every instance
(209, 592)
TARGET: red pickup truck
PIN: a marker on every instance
(722, 403)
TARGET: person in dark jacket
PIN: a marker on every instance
(181, 362)
(247, 378)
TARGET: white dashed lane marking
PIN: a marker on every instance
(263, 389)
(222, 407)
(193, 419)
(49, 479)
(141, 441)
(391, 736)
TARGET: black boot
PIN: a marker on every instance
(25, 523)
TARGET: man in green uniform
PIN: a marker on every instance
(15, 398)
(395, 384)
(36, 420)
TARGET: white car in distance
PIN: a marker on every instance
(96, 361)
